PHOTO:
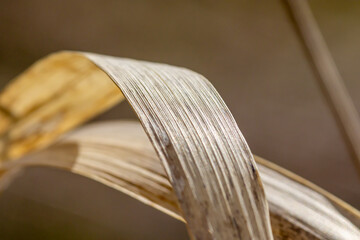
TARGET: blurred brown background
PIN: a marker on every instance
(247, 49)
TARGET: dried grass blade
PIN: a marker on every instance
(208, 162)
(119, 155)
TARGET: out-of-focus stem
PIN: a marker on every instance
(329, 77)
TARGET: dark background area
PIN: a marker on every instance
(248, 49)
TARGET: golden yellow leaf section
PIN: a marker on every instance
(56, 94)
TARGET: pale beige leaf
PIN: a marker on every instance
(207, 160)
(119, 155)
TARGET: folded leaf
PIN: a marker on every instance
(207, 160)
(118, 154)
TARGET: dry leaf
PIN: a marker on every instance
(120, 155)
(218, 191)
